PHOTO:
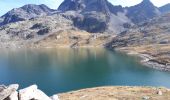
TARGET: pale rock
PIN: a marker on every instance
(13, 87)
(14, 96)
(32, 92)
(146, 98)
(55, 97)
(27, 93)
(41, 95)
(6, 92)
(159, 93)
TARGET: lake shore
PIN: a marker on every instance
(11, 92)
(147, 58)
(118, 93)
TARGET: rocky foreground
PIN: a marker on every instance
(30, 93)
(98, 93)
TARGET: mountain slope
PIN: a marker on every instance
(26, 12)
(155, 31)
(48, 31)
(165, 8)
(150, 38)
(143, 11)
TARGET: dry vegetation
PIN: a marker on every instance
(73, 38)
(160, 53)
(117, 93)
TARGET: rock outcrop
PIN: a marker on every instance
(5, 92)
(13, 96)
(30, 93)
(54, 97)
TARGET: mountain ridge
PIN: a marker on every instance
(40, 23)
(26, 12)
(165, 8)
(143, 11)
(136, 14)
(96, 15)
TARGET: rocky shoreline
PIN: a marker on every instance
(146, 60)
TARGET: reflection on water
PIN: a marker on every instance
(60, 70)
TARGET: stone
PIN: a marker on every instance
(2, 87)
(13, 86)
(55, 97)
(13, 96)
(159, 92)
(27, 93)
(6, 92)
(32, 92)
(145, 98)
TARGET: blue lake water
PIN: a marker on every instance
(63, 70)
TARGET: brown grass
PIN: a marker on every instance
(117, 93)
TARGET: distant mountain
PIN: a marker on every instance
(96, 15)
(78, 22)
(143, 11)
(155, 31)
(26, 12)
(84, 5)
(165, 8)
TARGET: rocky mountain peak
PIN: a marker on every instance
(84, 5)
(147, 3)
(37, 9)
(143, 11)
(165, 8)
(26, 12)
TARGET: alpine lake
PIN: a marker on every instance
(62, 70)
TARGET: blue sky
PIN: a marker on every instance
(6, 5)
